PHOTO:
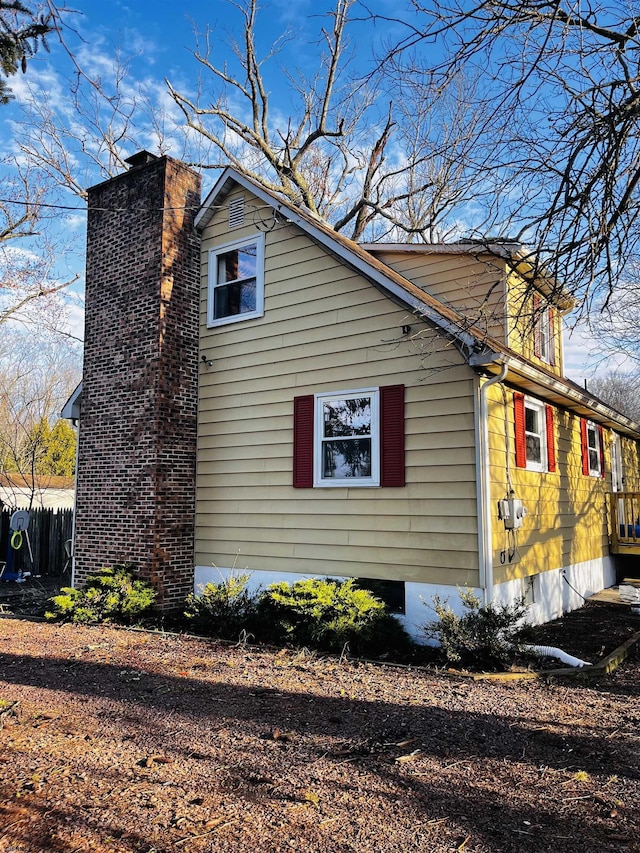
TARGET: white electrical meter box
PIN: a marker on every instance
(511, 512)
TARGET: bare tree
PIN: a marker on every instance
(36, 377)
(347, 154)
(28, 288)
(561, 79)
(621, 390)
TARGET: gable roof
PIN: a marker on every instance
(484, 353)
(453, 324)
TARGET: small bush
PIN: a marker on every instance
(485, 636)
(327, 614)
(111, 595)
(224, 609)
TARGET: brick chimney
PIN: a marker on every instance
(135, 485)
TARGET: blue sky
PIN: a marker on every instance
(155, 40)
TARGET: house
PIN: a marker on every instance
(261, 393)
(23, 491)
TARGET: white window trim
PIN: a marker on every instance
(350, 482)
(543, 465)
(594, 472)
(258, 240)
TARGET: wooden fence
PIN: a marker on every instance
(49, 529)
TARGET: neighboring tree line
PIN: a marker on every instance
(43, 451)
(37, 376)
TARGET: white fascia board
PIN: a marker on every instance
(320, 236)
(71, 409)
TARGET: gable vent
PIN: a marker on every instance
(236, 211)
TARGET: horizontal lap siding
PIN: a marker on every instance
(326, 328)
(566, 520)
(473, 285)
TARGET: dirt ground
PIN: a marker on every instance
(125, 741)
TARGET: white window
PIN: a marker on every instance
(347, 439)
(535, 431)
(545, 336)
(594, 450)
(236, 281)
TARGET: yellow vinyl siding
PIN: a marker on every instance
(521, 325)
(325, 329)
(630, 464)
(475, 285)
(566, 521)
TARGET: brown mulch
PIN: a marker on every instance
(125, 741)
(592, 632)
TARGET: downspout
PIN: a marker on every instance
(485, 543)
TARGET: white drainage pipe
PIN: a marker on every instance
(552, 652)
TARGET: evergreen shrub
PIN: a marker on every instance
(223, 610)
(111, 595)
(487, 636)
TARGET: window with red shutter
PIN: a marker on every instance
(534, 434)
(350, 439)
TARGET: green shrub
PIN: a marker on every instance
(485, 636)
(110, 595)
(224, 609)
(328, 614)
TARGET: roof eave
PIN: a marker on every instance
(528, 377)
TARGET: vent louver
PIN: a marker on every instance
(236, 212)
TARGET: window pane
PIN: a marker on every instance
(238, 264)
(534, 453)
(531, 420)
(236, 298)
(349, 417)
(346, 459)
(594, 462)
(591, 438)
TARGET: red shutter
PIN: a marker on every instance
(392, 466)
(585, 446)
(552, 337)
(303, 408)
(601, 442)
(519, 423)
(537, 327)
(551, 443)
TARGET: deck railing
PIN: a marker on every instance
(625, 519)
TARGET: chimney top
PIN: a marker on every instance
(140, 159)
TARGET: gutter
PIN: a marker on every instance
(555, 390)
(485, 530)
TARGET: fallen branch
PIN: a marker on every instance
(203, 834)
